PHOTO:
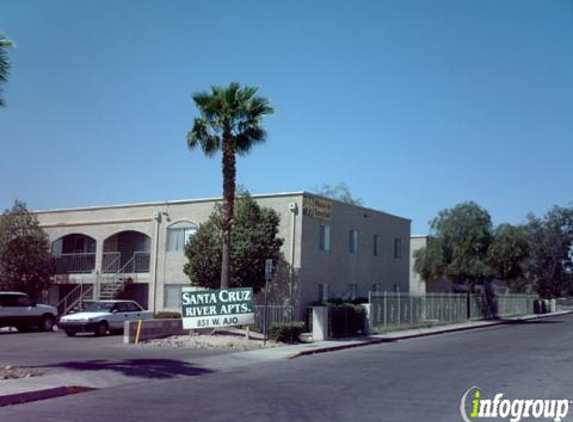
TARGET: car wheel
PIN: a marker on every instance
(70, 333)
(47, 323)
(101, 329)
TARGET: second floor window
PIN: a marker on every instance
(177, 237)
(324, 237)
(352, 241)
(397, 248)
(376, 245)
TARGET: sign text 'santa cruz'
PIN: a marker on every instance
(217, 308)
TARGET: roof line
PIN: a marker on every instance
(357, 206)
(166, 202)
(213, 199)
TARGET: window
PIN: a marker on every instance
(132, 307)
(397, 248)
(120, 307)
(376, 245)
(324, 237)
(352, 241)
(323, 292)
(15, 300)
(172, 296)
(178, 237)
(377, 287)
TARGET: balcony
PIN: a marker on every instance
(75, 263)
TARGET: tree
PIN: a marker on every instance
(25, 260)
(340, 192)
(5, 43)
(460, 239)
(230, 121)
(254, 240)
(507, 255)
(550, 262)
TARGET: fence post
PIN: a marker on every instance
(411, 309)
(385, 310)
(450, 306)
(399, 313)
(319, 323)
(368, 318)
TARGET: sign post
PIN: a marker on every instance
(268, 277)
(216, 308)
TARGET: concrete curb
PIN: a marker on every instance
(49, 393)
(372, 341)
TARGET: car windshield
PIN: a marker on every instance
(99, 307)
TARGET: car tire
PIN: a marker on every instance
(47, 323)
(70, 333)
(101, 329)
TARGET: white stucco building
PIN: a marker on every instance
(331, 249)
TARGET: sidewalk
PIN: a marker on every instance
(54, 385)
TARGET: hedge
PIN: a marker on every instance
(287, 332)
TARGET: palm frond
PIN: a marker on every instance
(201, 136)
(251, 136)
(4, 64)
(233, 108)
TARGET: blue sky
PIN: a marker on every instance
(416, 105)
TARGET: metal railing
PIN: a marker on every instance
(75, 263)
(111, 262)
(275, 313)
(141, 262)
(75, 297)
(514, 304)
(394, 311)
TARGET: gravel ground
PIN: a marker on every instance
(228, 339)
(14, 372)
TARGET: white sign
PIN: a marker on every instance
(216, 308)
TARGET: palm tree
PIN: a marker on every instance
(4, 65)
(231, 122)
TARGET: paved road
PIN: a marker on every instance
(55, 352)
(412, 380)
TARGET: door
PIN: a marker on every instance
(119, 315)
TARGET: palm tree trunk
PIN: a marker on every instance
(229, 174)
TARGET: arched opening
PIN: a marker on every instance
(126, 252)
(74, 254)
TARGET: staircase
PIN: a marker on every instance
(107, 287)
(111, 286)
(81, 293)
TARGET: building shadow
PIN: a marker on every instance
(140, 368)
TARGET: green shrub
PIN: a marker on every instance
(166, 315)
(287, 332)
(345, 319)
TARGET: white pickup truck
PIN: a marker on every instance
(18, 310)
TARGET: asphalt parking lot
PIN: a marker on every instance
(55, 352)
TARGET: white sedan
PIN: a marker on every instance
(102, 316)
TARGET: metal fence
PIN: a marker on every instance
(275, 313)
(394, 311)
(514, 304)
